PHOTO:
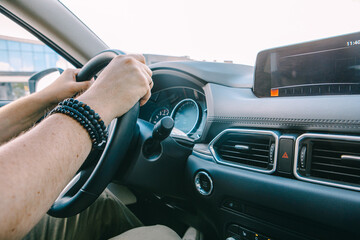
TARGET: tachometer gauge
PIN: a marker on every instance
(159, 114)
(186, 115)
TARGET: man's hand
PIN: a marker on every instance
(22, 114)
(125, 81)
(63, 87)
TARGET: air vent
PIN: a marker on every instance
(328, 159)
(244, 148)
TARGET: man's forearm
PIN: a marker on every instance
(20, 115)
(37, 165)
(33, 172)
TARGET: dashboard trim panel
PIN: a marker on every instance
(275, 134)
(337, 114)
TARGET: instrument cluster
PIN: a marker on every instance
(185, 105)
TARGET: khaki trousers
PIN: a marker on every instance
(105, 218)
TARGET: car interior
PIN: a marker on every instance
(270, 151)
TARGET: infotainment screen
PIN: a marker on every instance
(325, 67)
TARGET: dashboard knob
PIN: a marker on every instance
(203, 183)
(162, 129)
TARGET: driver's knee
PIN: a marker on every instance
(105, 218)
(114, 216)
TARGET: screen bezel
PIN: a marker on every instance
(262, 80)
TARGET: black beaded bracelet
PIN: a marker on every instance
(83, 121)
(85, 109)
(87, 118)
(98, 126)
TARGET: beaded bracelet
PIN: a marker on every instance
(84, 109)
(83, 121)
(87, 118)
(96, 140)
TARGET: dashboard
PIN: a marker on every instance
(262, 167)
(185, 105)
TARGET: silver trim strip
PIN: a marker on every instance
(73, 181)
(350, 157)
(321, 136)
(217, 158)
(241, 147)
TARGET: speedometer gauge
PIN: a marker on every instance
(159, 114)
(186, 115)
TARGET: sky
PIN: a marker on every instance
(9, 28)
(214, 30)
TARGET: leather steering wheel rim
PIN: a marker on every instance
(90, 182)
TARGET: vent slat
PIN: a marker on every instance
(336, 173)
(265, 151)
(232, 148)
(338, 168)
(326, 157)
(232, 142)
(237, 153)
(246, 161)
(339, 152)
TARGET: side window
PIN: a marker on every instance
(22, 55)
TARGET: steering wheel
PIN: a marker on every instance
(92, 179)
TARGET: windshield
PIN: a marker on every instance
(227, 30)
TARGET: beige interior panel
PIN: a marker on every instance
(122, 193)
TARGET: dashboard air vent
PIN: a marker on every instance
(244, 148)
(329, 159)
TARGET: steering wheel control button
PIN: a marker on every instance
(286, 155)
(203, 183)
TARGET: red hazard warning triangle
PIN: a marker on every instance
(285, 155)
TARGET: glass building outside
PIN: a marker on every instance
(19, 59)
